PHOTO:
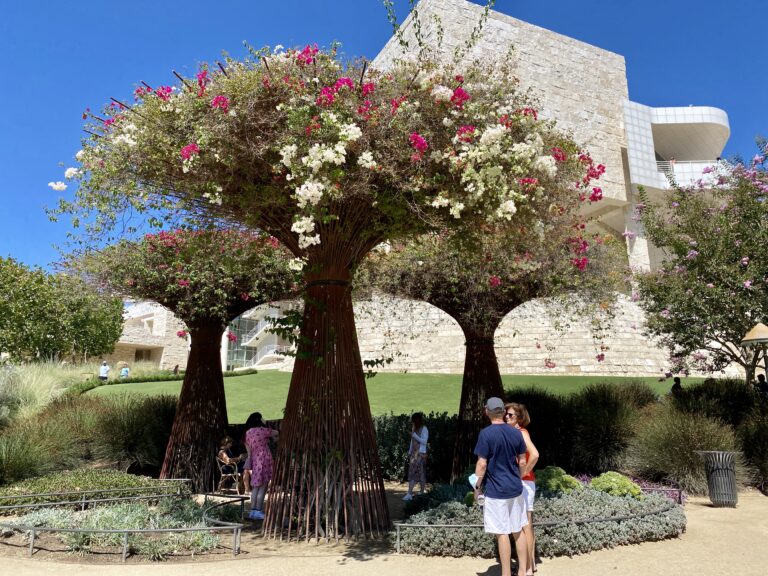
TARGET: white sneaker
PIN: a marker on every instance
(408, 497)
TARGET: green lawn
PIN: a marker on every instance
(267, 391)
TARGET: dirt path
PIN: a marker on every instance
(718, 541)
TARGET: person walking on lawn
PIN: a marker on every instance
(500, 452)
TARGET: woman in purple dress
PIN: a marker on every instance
(260, 459)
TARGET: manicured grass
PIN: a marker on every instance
(266, 392)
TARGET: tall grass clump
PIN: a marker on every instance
(753, 436)
(728, 399)
(603, 418)
(551, 424)
(133, 431)
(664, 448)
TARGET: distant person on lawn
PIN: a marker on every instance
(104, 371)
(500, 454)
(762, 385)
(676, 387)
(124, 371)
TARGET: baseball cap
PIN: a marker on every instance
(494, 403)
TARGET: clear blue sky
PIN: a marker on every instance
(61, 57)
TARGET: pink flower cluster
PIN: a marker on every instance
(549, 364)
(528, 183)
(202, 82)
(600, 357)
(419, 144)
(368, 88)
(596, 195)
(528, 112)
(460, 97)
(465, 133)
(184, 283)
(307, 55)
(231, 336)
(580, 263)
(328, 93)
(221, 102)
(181, 333)
(558, 154)
(162, 92)
(494, 281)
(189, 150)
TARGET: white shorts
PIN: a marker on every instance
(504, 516)
(529, 492)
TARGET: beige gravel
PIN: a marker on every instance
(718, 541)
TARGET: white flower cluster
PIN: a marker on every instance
(70, 173)
(492, 134)
(311, 192)
(507, 209)
(288, 153)
(366, 160)
(296, 264)
(350, 132)
(318, 155)
(214, 197)
(442, 93)
(304, 226)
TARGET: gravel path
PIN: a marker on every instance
(718, 541)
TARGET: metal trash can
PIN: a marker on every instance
(721, 477)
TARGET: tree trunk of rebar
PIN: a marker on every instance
(481, 381)
(201, 414)
(327, 478)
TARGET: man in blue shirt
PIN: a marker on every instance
(500, 454)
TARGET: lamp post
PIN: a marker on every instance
(757, 337)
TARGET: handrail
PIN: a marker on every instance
(272, 349)
(260, 326)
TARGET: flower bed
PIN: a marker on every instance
(575, 523)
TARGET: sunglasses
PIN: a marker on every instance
(511, 415)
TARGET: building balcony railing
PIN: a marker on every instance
(687, 172)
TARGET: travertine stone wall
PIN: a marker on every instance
(167, 348)
(580, 86)
(421, 338)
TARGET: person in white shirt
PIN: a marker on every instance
(417, 455)
(103, 371)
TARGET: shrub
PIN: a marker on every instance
(753, 437)
(666, 443)
(551, 424)
(728, 399)
(563, 538)
(616, 484)
(134, 430)
(169, 513)
(437, 495)
(392, 441)
(637, 393)
(553, 481)
(602, 427)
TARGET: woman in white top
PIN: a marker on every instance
(417, 455)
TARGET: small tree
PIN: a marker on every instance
(207, 278)
(49, 316)
(478, 279)
(713, 284)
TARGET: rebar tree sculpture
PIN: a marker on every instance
(478, 278)
(332, 159)
(207, 278)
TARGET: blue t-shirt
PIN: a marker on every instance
(500, 445)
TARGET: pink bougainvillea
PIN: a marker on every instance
(221, 102)
(596, 195)
(460, 97)
(494, 281)
(465, 133)
(368, 88)
(559, 155)
(181, 333)
(189, 150)
(307, 55)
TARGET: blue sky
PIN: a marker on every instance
(61, 57)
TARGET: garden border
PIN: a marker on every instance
(670, 506)
(218, 525)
